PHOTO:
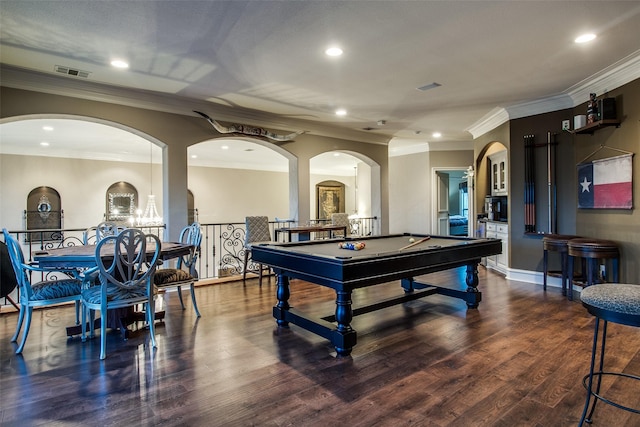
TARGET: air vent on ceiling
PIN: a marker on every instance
(71, 71)
(429, 86)
(369, 128)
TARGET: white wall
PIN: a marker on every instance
(410, 177)
(228, 195)
(221, 195)
(364, 199)
(82, 185)
(409, 194)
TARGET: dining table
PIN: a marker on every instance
(304, 231)
(83, 257)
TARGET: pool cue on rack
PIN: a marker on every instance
(415, 243)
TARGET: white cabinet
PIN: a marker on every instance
(499, 173)
(499, 230)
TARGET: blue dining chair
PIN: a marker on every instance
(125, 271)
(60, 286)
(92, 235)
(185, 273)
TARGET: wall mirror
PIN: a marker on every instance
(122, 199)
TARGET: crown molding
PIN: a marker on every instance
(490, 121)
(397, 151)
(539, 106)
(622, 72)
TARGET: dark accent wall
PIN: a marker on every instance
(526, 249)
(622, 226)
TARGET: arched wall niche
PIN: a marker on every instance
(44, 212)
(483, 172)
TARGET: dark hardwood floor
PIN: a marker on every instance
(518, 360)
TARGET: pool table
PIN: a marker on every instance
(383, 259)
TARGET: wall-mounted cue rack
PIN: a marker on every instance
(530, 183)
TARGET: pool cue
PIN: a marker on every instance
(415, 243)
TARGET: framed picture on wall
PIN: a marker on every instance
(329, 199)
(606, 183)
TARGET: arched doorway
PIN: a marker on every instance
(360, 176)
(82, 155)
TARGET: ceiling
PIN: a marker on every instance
(264, 61)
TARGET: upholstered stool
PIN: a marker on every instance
(556, 243)
(609, 302)
(596, 252)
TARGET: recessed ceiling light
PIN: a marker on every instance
(333, 51)
(194, 156)
(341, 112)
(436, 134)
(585, 38)
(47, 128)
(44, 143)
(336, 154)
(118, 63)
(225, 147)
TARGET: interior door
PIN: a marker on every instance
(471, 201)
(442, 199)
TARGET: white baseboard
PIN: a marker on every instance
(536, 277)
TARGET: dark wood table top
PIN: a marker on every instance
(83, 256)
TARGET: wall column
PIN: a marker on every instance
(174, 189)
(301, 177)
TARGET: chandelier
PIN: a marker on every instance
(150, 215)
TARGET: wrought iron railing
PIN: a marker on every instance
(221, 252)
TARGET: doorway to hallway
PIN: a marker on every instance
(452, 206)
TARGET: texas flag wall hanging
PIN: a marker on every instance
(606, 183)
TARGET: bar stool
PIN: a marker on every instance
(596, 252)
(556, 243)
(618, 303)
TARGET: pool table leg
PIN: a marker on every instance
(472, 285)
(283, 294)
(346, 338)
